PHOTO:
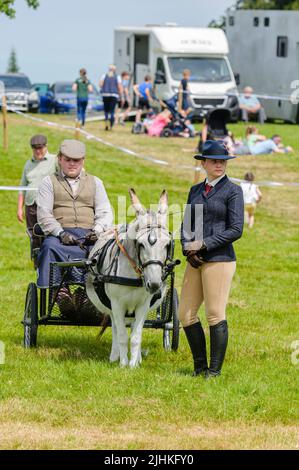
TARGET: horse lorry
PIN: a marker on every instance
(265, 53)
(163, 52)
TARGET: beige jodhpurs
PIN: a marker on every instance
(210, 283)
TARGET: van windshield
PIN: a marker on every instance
(203, 69)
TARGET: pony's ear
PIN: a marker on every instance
(139, 209)
(163, 203)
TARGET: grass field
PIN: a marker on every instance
(66, 395)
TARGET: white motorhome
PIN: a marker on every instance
(165, 51)
(264, 52)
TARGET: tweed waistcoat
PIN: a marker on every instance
(74, 210)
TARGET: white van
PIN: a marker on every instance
(165, 51)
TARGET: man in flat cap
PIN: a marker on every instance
(41, 164)
(71, 206)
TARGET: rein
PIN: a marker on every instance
(136, 268)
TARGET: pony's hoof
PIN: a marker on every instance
(134, 365)
(114, 357)
(123, 363)
(135, 362)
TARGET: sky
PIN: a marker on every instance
(53, 42)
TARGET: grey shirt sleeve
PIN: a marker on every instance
(24, 181)
(45, 202)
(102, 208)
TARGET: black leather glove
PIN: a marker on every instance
(194, 258)
(90, 238)
(67, 238)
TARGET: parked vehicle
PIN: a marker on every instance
(60, 98)
(165, 51)
(19, 93)
(42, 90)
(264, 51)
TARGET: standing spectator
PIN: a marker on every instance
(125, 101)
(184, 102)
(111, 89)
(82, 87)
(143, 91)
(250, 106)
(252, 195)
(40, 165)
(211, 260)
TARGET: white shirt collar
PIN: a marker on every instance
(214, 182)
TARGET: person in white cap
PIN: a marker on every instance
(71, 205)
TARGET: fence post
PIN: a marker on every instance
(77, 131)
(198, 173)
(4, 115)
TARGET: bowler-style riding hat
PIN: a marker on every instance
(73, 149)
(38, 141)
(214, 149)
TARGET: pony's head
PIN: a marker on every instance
(152, 240)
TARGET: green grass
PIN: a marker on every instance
(65, 394)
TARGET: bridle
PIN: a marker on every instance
(139, 268)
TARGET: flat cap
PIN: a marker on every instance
(73, 149)
(38, 140)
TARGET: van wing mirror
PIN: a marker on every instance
(160, 78)
(237, 78)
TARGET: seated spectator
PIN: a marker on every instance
(158, 123)
(273, 145)
(253, 136)
(250, 106)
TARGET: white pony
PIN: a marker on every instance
(138, 252)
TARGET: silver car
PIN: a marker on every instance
(19, 93)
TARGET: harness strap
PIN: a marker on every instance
(136, 268)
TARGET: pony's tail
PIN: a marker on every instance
(104, 326)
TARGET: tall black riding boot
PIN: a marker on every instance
(218, 343)
(197, 342)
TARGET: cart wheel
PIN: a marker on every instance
(30, 317)
(171, 336)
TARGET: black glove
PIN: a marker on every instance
(90, 238)
(67, 238)
(194, 258)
